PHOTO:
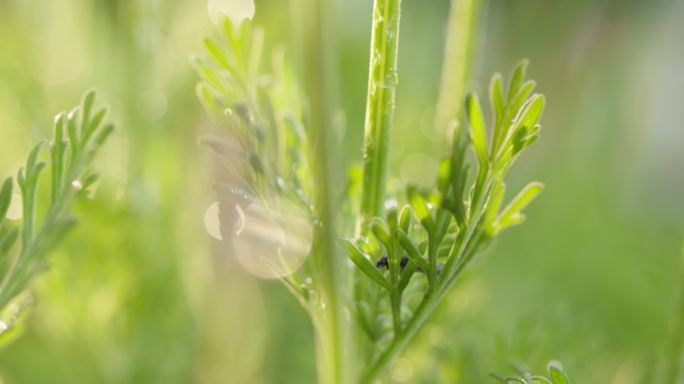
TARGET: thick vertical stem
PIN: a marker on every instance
(382, 86)
(673, 371)
(458, 52)
(330, 308)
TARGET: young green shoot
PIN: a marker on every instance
(25, 246)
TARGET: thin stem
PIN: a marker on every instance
(382, 86)
(396, 310)
(330, 274)
(458, 57)
(402, 339)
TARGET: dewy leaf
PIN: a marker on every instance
(495, 203)
(531, 113)
(511, 112)
(511, 214)
(517, 78)
(365, 265)
(478, 133)
(557, 374)
(519, 100)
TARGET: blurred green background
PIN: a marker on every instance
(140, 293)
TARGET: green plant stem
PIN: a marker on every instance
(400, 342)
(380, 103)
(329, 308)
(673, 371)
(458, 57)
(396, 310)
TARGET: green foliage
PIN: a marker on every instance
(267, 151)
(452, 222)
(77, 137)
(267, 147)
(555, 375)
(276, 152)
(407, 260)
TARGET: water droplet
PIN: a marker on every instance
(377, 16)
(377, 56)
(391, 80)
(390, 35)
(77, 185)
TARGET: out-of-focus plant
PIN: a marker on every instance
(555, 375)
(269, 190)
(407, 260)
(25, 245)
(267, 154)
(671, 369)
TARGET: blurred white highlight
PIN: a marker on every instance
(270, 242)
(236, 10)
(212, 222)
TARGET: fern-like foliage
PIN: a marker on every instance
(421, 250)
(25, 245)
(266, 150)
(410, 259)
(555, 375)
